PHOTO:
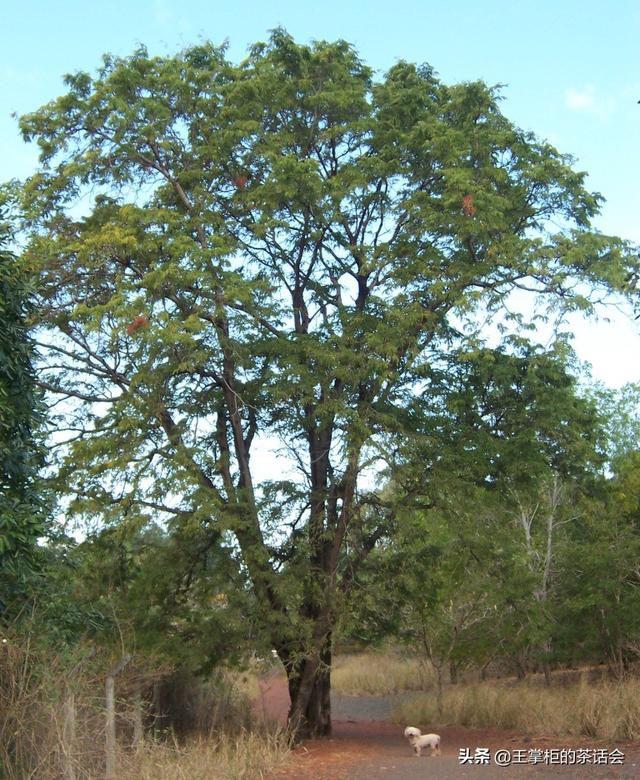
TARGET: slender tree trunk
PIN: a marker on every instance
(546, 663)
(521, 667)
(453, 672)
(156, 708)
(616, 662)
(439, 688)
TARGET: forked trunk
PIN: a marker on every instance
(310, 692)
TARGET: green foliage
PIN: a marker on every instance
(599, 590)
(506, 417)
(501, 477)
(21, 511)
(175, 596)
(620, 409)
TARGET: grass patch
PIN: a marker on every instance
(379, 674)
(251, 756)
(603, 710)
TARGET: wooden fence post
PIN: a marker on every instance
(110, 732)
(69, 735)
(138, 725)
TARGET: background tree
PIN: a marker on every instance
(620, 412)
(491, 486)
(171, 595)
(275, 251)
(21, 510)
(600, 582)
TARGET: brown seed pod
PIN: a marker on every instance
(240, 182)
(141, 321)
(467, 206)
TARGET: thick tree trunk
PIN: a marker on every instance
(310, 692)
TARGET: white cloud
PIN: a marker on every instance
(575, 99)
(22, 79)
(163, 14)
(589, 101)
(169, 20)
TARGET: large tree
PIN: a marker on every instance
(233, 256)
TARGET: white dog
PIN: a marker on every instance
(418, 740)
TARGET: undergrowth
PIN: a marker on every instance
(601, 710)
(380, 674)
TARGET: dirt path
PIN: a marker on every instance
(366, 746)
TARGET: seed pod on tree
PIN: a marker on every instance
(141, 321)
(467, 206)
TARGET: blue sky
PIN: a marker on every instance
(571, 72)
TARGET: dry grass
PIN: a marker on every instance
(599, 709)
(379, 674)
(39, 689)
(250, 756)
(603, 710)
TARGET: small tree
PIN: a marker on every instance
(276, 249)
(451, 604)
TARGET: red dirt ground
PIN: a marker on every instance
(363, 749)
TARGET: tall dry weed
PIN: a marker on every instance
(601, 710)
(380, 674)
(247, 756)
